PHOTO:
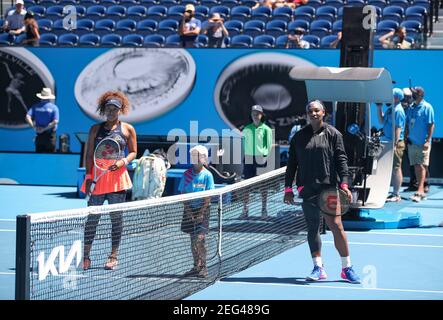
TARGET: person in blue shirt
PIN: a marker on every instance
(189, 28)
(43, 117)
(419, 131)
(196, 212)
(395, 133)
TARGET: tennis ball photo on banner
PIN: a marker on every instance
(23, 75)
(152, 88)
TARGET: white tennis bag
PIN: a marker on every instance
(149, 178)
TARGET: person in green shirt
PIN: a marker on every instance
(257, 139)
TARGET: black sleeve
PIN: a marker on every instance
(292, 164)
(341, 159)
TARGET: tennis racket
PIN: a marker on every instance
(106, 154)
(333, 201)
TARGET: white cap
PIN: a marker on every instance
(20, 2)
(407, 92)
(200, 149)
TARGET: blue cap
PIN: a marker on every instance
(114, 102)
(398, 93)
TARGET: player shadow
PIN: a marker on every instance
(294, 280)
(66, 195)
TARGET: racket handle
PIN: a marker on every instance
(91, 188)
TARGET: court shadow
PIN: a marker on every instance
(295, 280)
(66, 195)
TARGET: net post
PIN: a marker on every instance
(22, 257)
(220, 224)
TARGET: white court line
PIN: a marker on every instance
(7, 230)
(389, 244)
(7, 273)
(333, 287)
(8, 220)
(397, 234)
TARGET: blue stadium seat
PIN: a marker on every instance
(326, 13)
(334, 3)
(176, 12)
(325, 42)
(234, 27)
(157, 12)
(147, 26)
(263, 41)
(337, 26)
(193, 2)
(132, 40)
(58, 26)
(111, 39)
(386, 26)
(169, 3)
(354, 3)
(47, 3)
(378, 3)
(281, 41)
(222, 10)
(229, 3)
(90, 40)
(6, 39)
(248, 3)
(314, 3)
(201, 12)
(416, 13)
(298, 24)
(154, 41)
(45, 25)
(313, 40)
(137, 12)
(29, 3)
(283, 13)
(320, 28)
(54, 11)
(109, 2)
(107, 25)
(253, 28)
(96, 11)
(304, 13)
(39, 11)
(148, 2)
(89, 3)
(85, 24)
(128, 3)
(202, 41)
(241, 41)
(167, 27)
(68, 39)
(261, 13)
(209, 3)
(276, 28)
(401, 3)
(241, 13)
(413, 28)
(116, 11)
(48, 39)
(423, 3)
(81, 11)
(395, 13)
(125, 25)
(173, 41)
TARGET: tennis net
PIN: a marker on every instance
(154, 253)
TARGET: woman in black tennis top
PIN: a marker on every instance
(317, 154)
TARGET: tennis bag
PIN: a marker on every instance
(149, 178)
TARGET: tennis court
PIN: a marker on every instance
(393, 263)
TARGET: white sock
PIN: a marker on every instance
(346, 262)
(317, 261)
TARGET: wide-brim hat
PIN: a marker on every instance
(46, 94)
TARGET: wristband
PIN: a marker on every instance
(344, 185)
(299, 189)
(288, 189)
(125, 161)
(88, 176)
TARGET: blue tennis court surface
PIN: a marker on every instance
(393, 263)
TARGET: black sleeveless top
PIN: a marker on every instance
(30, 35)
(116, 134)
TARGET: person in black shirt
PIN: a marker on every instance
(317, 154)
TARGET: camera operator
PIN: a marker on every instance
(189, 27)
(216, 31)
